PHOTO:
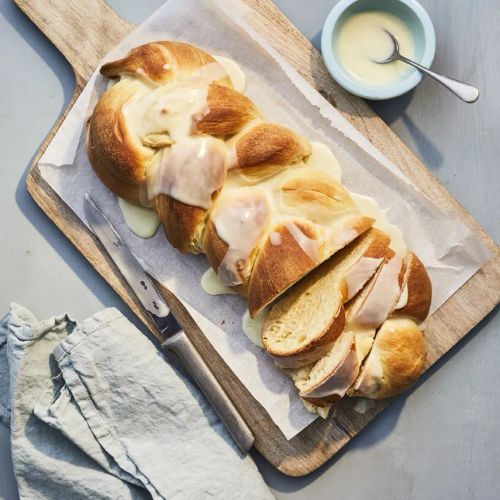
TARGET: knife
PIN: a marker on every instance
(175, 339)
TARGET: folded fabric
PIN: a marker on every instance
(96, 412)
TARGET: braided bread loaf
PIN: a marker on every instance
(174, 134)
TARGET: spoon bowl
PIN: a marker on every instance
(395, 52)
(462, 90)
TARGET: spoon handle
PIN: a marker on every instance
(464, 91)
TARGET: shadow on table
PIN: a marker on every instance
(372, 434)
(87, 274)
(73, 258)
(394, 109)
(38, 42)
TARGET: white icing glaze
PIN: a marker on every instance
(167, 109)
(234, 71)
(323, 208)
(144, 78)
(383, 296)
(340, 233)
(212, 285)
(369, 380)
(308, 245)
(210, 72)
(340, 374)
(190, 171)
(232, 158)
(252, 326)
(403, 298)
(363, 339)
(359, 273)
(194, 167)
(241, 222)
(371, 208)
(275, 238)
(322, 158)
(361, 41)
(141, 221)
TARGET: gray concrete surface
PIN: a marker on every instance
(442, 440)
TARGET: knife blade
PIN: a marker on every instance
(176, 339)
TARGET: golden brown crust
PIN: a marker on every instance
(277, 267)
(316, 195)
(118, 160)
(228, 112)
(313, 185)
(379, 246)
(270, 144)
(183, 224)
(419, 288)
(400, 354)
(312, 351)
(248, 209)
(214, 246)
(162, 62)
(362, 224)
(346, 230)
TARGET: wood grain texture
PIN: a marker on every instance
(84, 30)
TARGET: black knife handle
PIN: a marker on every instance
(180, 344)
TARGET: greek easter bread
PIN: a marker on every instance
(174, 132)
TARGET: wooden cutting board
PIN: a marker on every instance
(84, 30)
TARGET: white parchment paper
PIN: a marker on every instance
(450, 251)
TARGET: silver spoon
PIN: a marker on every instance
(466, 92)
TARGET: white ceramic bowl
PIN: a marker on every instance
(420, 24)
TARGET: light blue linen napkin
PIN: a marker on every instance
(96, 412)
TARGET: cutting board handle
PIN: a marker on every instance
(78, 27)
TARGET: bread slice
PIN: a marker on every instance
(350, 367)
(294, 249)
(328, 379)
(372, 306)
(358, 262)
(332, 376)
(395, 362)
(416, 292)
(301, 326)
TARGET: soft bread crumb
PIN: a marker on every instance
(307, 313)
(322, 411)
(314, 374)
